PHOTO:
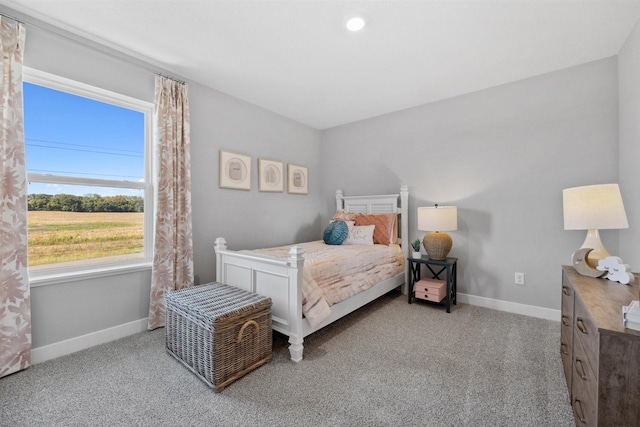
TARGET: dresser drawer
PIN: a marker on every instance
(584, 389)
(566, 331)
(567, 299)
(586, 333)
(566, 352)
(584, 409)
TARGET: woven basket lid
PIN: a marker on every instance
(217, 302)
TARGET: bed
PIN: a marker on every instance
(281, 278)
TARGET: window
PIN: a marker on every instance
(88, 166)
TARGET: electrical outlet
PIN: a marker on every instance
(519, 278)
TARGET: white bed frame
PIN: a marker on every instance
(281, 280)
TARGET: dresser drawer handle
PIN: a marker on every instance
(581, 373)
(580, 325)
(565, 320)
(565, 290)
(563, 348)
(579, 413)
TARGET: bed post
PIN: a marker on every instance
(221, 245)
(339, 203)
(296, 338)
(404, 232)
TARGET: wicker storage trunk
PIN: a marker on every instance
(219, 332)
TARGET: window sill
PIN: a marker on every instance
(95, 273)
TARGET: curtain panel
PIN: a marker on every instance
(15, 310)
(173, 245)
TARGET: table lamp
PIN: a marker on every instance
(436, 220)
(593, 208)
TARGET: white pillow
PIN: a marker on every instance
(360, 235)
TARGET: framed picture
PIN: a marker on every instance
(235, 170)
(298, 179)
(271, 175)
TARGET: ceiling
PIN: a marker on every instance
(296, 57)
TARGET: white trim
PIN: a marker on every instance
(62, 84)
(49, 277)
(74, 180)
(57, 274)
(62, 348)
(510, 307)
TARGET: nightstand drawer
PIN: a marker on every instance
(435, 288)
(429, 297)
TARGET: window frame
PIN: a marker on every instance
(54, 275)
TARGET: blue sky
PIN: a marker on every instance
(70, 135)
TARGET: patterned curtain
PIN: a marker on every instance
(173, 247)
(15, 310)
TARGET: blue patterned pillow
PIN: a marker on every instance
(336, 233)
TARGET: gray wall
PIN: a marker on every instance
(247, 219)
(629, 118)
(503, 156)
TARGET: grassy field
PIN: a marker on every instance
(62, 237)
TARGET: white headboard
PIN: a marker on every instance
(380, 204)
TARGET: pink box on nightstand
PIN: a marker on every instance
(431, 289)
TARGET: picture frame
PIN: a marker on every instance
(271, 175)
(235, 170)
(298, 179)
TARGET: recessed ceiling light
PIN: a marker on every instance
(355, 24)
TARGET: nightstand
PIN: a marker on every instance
(436, 268)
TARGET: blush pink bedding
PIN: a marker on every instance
(333, 273)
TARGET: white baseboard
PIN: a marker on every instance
(511, 307)
(51, 351)
(62, 348)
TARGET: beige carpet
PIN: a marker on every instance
(388, 364)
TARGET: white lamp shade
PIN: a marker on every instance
(438, 218)
(593, 207)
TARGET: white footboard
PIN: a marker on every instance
(277, 279)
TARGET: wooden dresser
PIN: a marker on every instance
(601, 358)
